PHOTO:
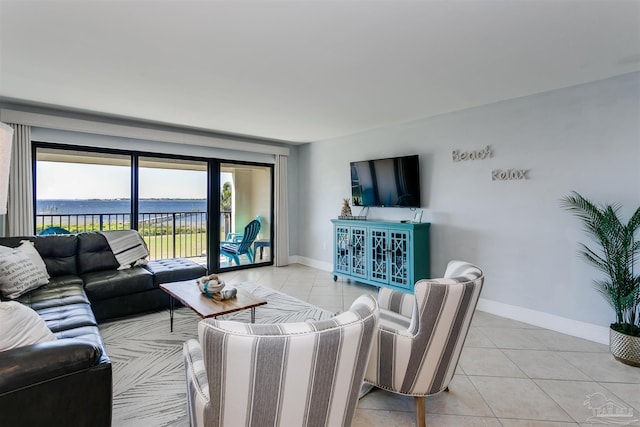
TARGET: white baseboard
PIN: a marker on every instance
(293, 259)
(320, 265)
(563, 325)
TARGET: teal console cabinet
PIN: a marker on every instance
(381, 253)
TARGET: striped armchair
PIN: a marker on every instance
(288, 374)
(420, 337)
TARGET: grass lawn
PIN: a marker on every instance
(186, 245)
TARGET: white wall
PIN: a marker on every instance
(585, 138)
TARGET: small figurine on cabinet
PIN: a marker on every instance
(346, 209)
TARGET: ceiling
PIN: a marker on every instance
(301, 71)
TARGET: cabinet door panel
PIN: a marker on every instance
(399, 258)
(358, 252)
(379, 260)
(342, 250)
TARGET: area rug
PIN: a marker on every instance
(148, 373)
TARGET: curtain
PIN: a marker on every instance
(281, 213)
(20, 203)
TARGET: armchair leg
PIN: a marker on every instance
(420, 412)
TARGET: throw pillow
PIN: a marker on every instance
(20, 326)
(19, 274)
(28, 248)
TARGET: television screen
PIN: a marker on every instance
(386, 182)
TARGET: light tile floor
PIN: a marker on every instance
(510, 373)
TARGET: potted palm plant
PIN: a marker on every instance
(615, 255)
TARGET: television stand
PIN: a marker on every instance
(381, 253)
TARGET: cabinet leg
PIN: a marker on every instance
(335, 278)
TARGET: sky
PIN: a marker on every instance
(56, 180)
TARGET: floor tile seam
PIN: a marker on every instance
(385, 410)
(529, 419)
(506, 319)
(301, 283)
(506, 348)
(617, 396)
(336, 298)
(555, 401)
(460, 415)
(579, 351)
(561, 354)
(498, 376)
(514, 363)
(540, 389)
(477, 330)
(582, 381)
(541, 378)
(480, 346)
(463, 416)
(324, 293)
(481, 396)
(556, 350)
(295, 288)
(563, 380)
(325, 285)
(357, 289)
(619, 382)
(293, 293)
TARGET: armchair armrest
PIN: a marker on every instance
(37, 363)
(234, 237)
(197, 382)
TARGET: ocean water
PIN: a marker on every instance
(98, 206)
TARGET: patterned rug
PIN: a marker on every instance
(148, 373)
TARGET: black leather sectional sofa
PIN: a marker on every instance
(67, 382)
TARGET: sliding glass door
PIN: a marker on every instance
(246, 214)
(172, 207)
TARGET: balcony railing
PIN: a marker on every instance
(168, 235)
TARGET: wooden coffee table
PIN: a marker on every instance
(188, 293)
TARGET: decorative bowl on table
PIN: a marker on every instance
(210, 285)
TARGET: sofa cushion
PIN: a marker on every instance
(101, 285)
(20, 326)
(94, 253)
(68, 316)
(19, 274)
(87, 334)
(174, 270)
(58, 253)
(60, 291)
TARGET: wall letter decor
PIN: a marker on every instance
(472, 155)
(509, 174)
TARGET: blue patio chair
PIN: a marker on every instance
(237, 237)
(233, 249)
(54, 230)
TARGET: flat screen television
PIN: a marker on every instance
(393, 182)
